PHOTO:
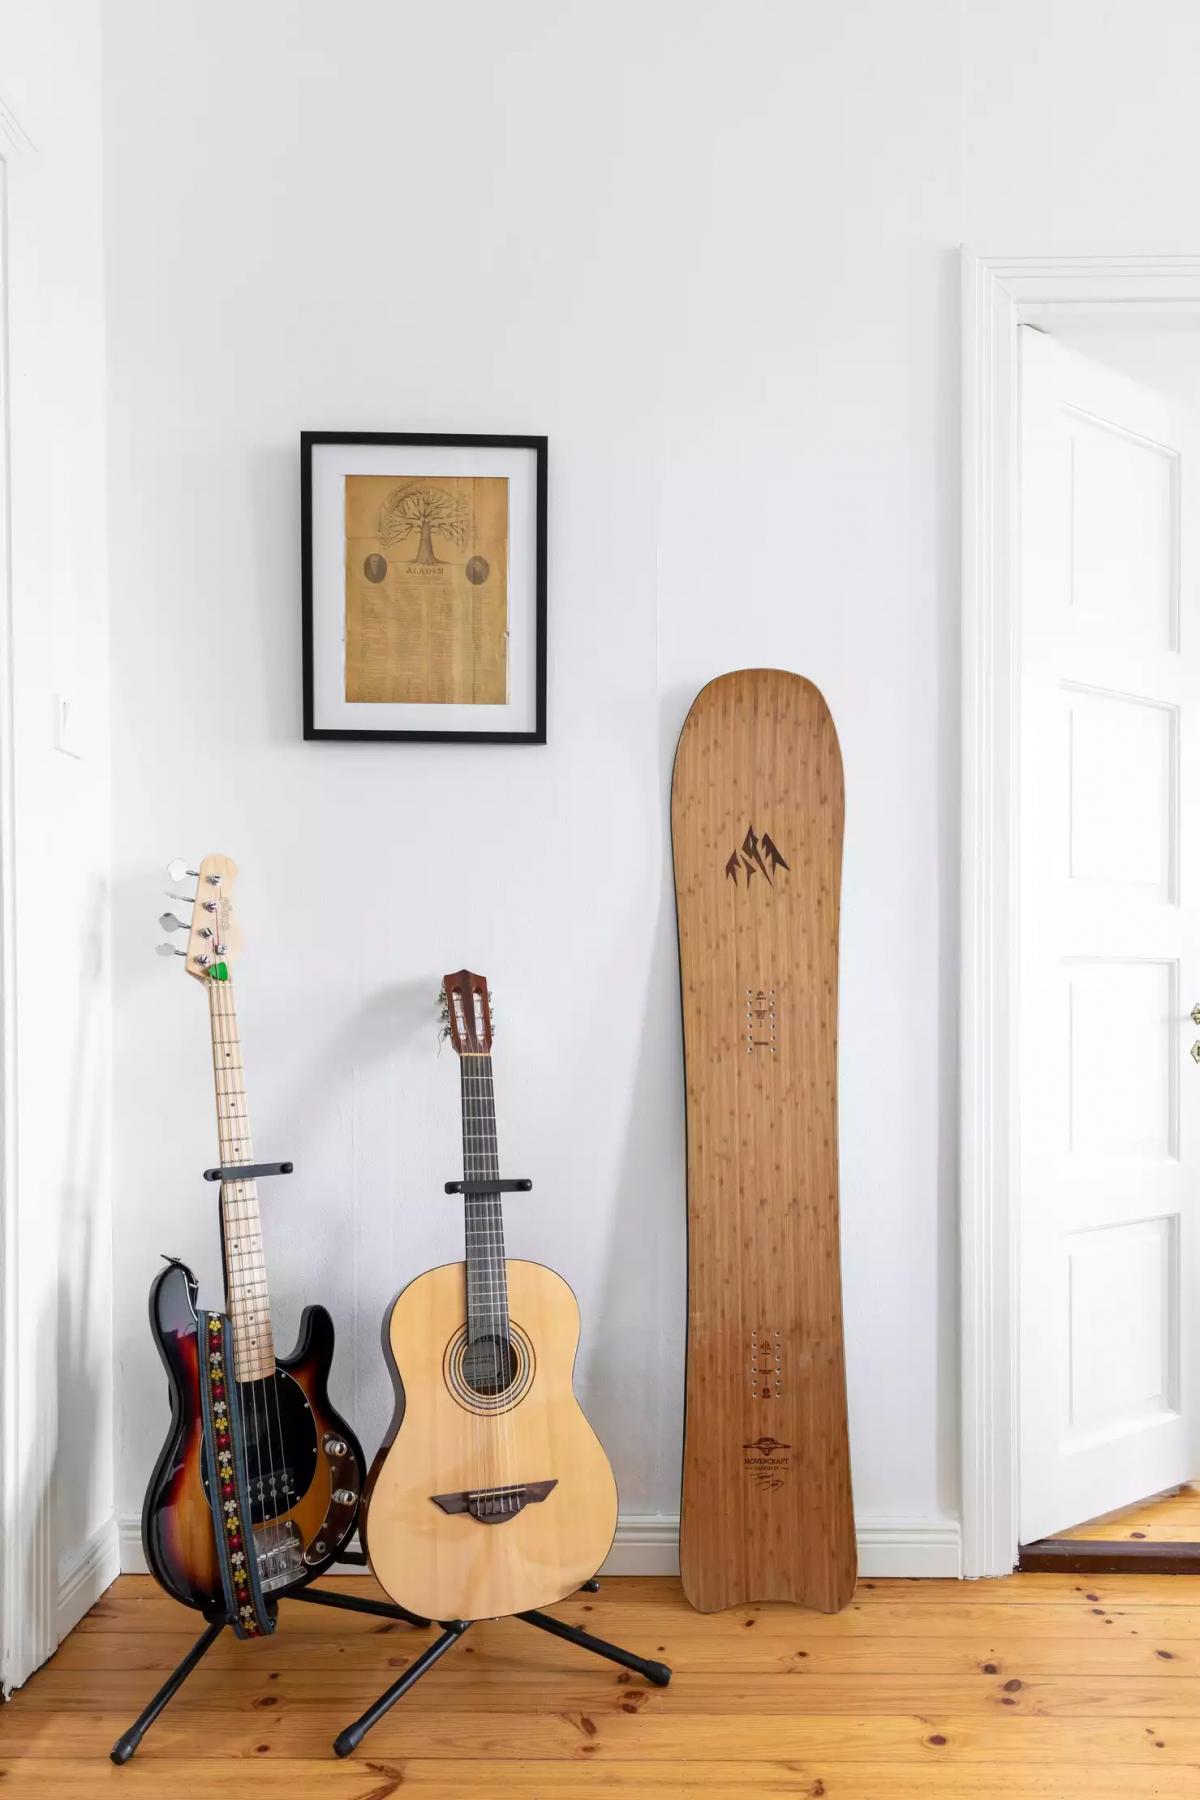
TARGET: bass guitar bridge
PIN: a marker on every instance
(280, 1555)
(491, 1506)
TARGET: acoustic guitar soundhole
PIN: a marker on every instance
(493, 1373)
(489, 1366)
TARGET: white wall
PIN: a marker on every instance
(715, 258)
(61, 1421)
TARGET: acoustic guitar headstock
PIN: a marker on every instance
(213, 934)
(468, 1013)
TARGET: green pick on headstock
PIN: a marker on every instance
(219, 972)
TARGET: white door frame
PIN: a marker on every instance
(999, 294)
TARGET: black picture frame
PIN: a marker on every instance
(309, 440)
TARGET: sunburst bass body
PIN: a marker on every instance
(452, 1440)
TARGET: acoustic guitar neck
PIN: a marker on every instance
(487, 1283)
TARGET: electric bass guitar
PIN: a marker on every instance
(492, 1494)
(256, 1444)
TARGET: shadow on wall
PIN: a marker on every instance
(643, 1287)
(650, 1207)
(388, 1019)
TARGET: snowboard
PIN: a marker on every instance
(756, 826)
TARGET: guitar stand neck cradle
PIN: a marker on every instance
(501, 1185)
(248, 1171)
(451, 1629)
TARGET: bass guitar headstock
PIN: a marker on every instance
(213, 935)
(468, 1013)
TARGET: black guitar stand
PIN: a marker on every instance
(129, 1740)
(452, 1629)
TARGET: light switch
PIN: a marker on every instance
(68, 734)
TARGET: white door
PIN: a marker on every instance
(1109, 903)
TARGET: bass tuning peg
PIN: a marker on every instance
(177, 869)
(168, 950)
(169, 922)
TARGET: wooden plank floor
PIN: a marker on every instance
(1172, 1518)
(1041, 1687)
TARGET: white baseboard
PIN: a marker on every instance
(129, 1536)
(83, 1575)
(931, 1548)
(648, 1544)
(645, 1544)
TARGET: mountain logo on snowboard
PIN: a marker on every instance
(757, 856)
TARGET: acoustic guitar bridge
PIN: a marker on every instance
(493, 1505)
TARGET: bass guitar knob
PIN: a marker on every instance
(344, 1496)
(335, 1447)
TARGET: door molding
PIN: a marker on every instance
(1000, 293)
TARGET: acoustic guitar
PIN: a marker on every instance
(492, 1494)
(299, 1468)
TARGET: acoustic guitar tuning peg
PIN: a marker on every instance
(168, 950)
(169, 922)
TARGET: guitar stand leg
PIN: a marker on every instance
(352, 1737)
(656, 1672)
(129, 1740)
(383, 1609)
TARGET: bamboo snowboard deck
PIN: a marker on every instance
(756, 823)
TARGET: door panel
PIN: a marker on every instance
(1110, 911)
(1122, 1283)
(1122, 514)
(1121, 801)
(1120, 1048)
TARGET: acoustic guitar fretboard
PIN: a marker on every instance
(487, 1276)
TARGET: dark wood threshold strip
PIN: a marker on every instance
(1111, 1556)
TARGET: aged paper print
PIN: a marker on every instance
(427, 589)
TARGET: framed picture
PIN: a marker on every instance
(424, 574)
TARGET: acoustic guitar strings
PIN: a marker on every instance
(506, 1352)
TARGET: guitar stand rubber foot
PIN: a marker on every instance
(129, 1740)
(352, 1737)
(657, 1673)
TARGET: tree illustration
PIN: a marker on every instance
(424, 509)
